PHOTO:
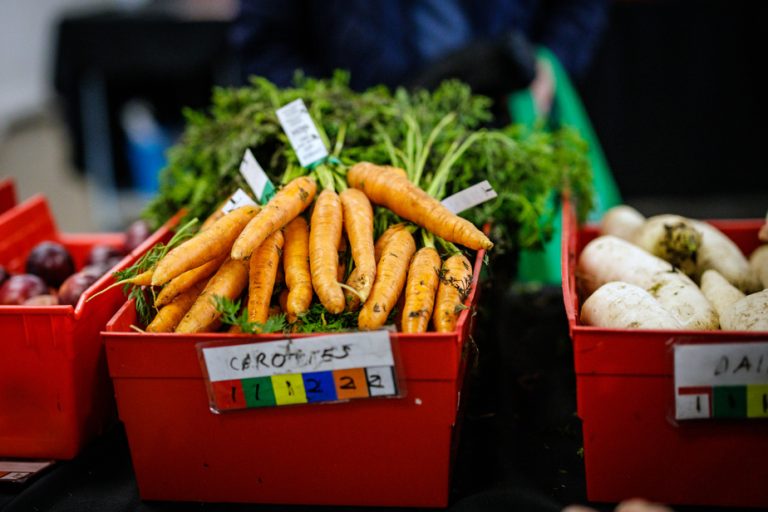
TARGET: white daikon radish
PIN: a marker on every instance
(695, 246)
(737, 311)
(618, 305)
(621, 221)
(608, 258)
(758, 261)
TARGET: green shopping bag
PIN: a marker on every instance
(543, 266)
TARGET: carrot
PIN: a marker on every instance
(389, 188)
(358, 223)
(341, 270)
(324, 239)
(390, 279)
(169, 316)
(183, 282)
(384, 239)
(282, 301)
(205, 246)
(353, 299)
(455, 280)
(261, 277)
(296, 268)
(420, 290)
(229, 281)
(289, 201)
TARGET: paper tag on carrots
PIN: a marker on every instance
(302, 132)
(256, 178)
(236, 200)
(469, 197)
(318, 369)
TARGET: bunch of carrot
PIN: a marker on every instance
(307, 242)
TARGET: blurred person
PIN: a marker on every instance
(489, 44)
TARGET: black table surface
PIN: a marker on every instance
(519, 449)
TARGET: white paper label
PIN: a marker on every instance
(20, 471)
(320, 353)
(236, 200)
(469, 197)
(302, 132)
(256, 178)
(725, 380)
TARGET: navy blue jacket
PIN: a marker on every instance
(387, 41)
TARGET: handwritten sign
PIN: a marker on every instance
(302, 132)
(728, 380)
(256, 178)
(299, 371)
(236, 200)
(470, 197)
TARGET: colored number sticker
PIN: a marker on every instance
(289, 389)
(351, 383)
(319, 387)
(381, 381)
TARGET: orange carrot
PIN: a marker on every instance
(384, 239)
(289, 201)
(420, 290)
(455, 282)
(296, 268)
(324, 240)
(207, 245)
(229, 281)
(352, 299)
(390, 279)
(261, 277)
(282, 301)
(183, 282)
(341, 270)
(358, 223)
(169, 316)
(389, 188)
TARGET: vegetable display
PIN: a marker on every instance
(670, 272)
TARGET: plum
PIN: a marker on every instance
(42, 300)
(104, 255)
(74, 286)
(3, 274)
(50, 261)
(17, 289)
(137, 232)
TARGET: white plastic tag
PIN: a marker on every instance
(302, 132)
(236, 200)
(330, 368)
(728, 380)
(469, 197)
(256, 178)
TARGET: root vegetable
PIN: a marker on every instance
(285, 206)
(618, 305)
(389, 188)
(296, 268)
(608, 258)
(207, 245)
(261, 277)
(183, 282)
(737, 311)
(358, 223)
(420, 290)
(622, 221)
(390, 278)
(671, 236)
(758, 261)
(169, 316)
(455, 281)
(324, 239)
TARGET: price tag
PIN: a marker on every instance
(236, 200)
(302, 132)
(319, 369)
(18, 471)
(469, 197)
(728, 380)
(256, 178)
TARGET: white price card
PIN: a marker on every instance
(317, 369)
(302, 132)
(19, 471)
(723, 380)
(236, 200)
(470, 197)
(256, 178)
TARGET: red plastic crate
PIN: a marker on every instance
(55, 392)
(378, 452)
(625, 396)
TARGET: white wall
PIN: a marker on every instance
(27, 29)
